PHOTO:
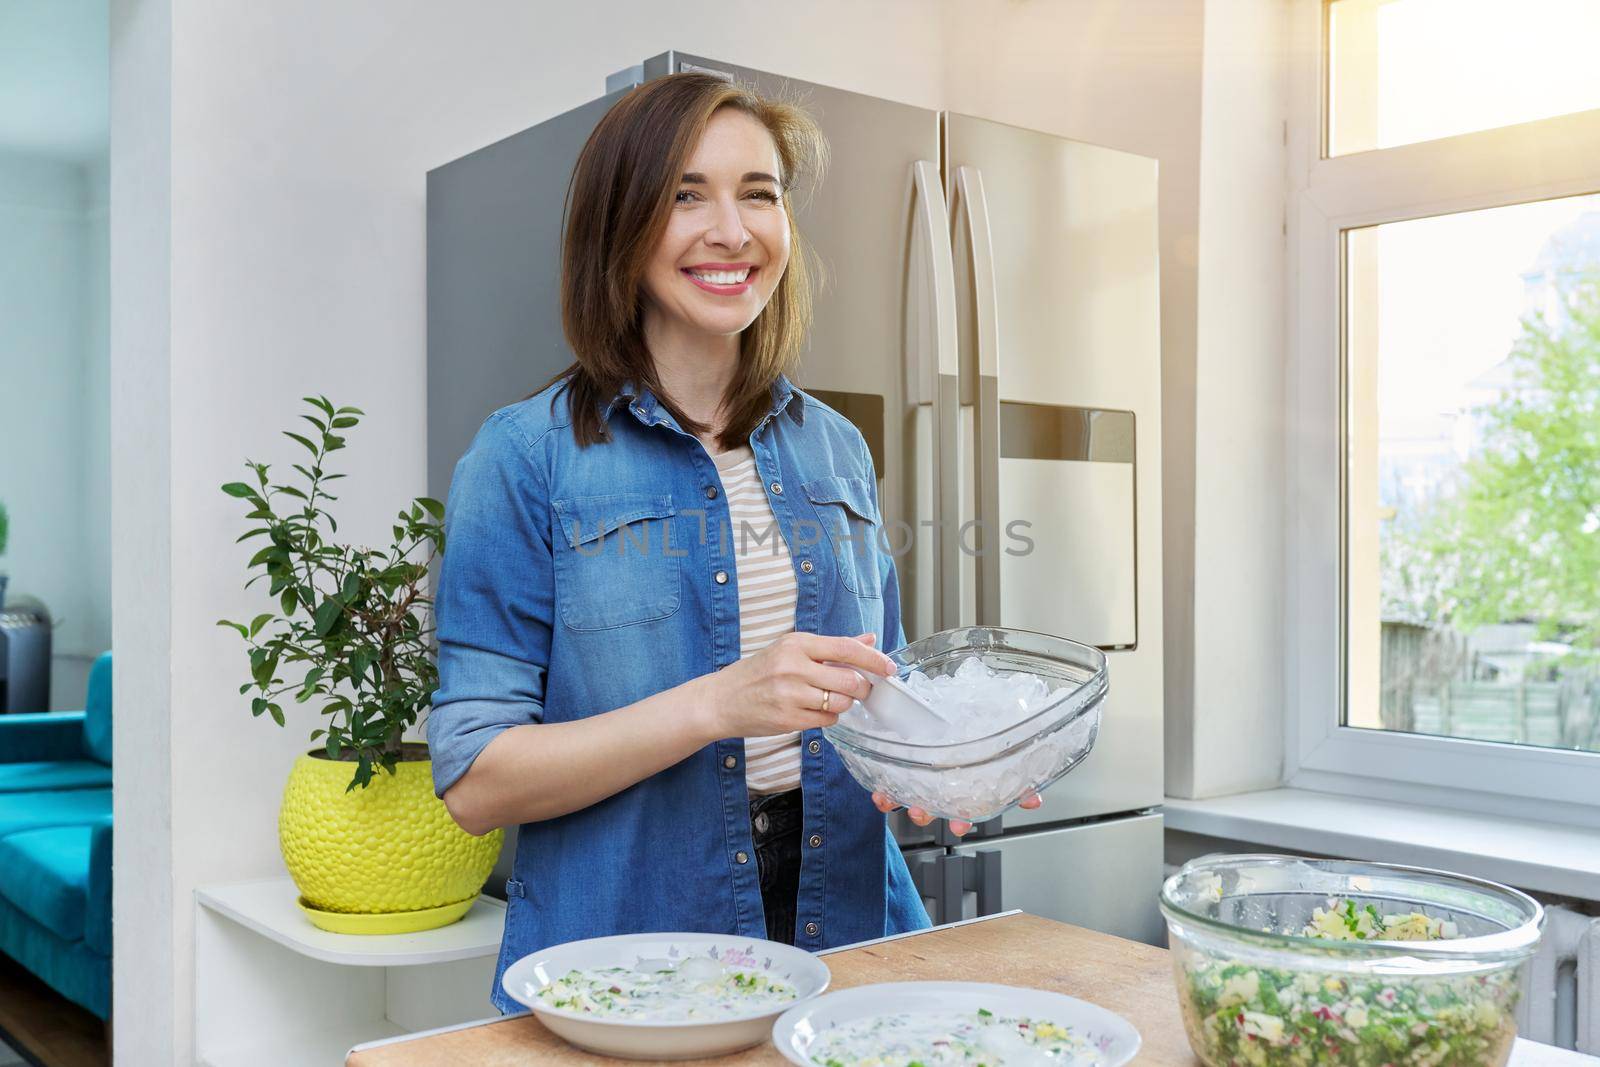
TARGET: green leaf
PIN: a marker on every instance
(303, 440)
(351, 587)
(257, 532)
(435, 508)
(321, 426)
(350, 411)
(317, 733)
(277, 713)
(236, 626)
(257, 706)
(288, 602)
(320, 402)
(344, 422)
(259, 621)
(272, 553)
(239, 489)
(327, 616)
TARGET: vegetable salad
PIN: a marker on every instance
(1239, 1013)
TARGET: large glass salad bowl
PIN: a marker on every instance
(1281, 960)
(992, 758)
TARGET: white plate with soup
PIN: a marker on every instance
(943, 1024)
(667, 995)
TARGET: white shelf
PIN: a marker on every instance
(268, 907)
(271, 989)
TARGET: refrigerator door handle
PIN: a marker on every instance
(972, 204)
(941, 386)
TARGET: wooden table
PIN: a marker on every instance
(1129, 978)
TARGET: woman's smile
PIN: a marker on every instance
(722, 279)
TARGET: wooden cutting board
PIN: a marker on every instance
(1131, 979)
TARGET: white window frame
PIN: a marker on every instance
(1531, 161)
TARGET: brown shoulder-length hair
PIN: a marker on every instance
(618, 205)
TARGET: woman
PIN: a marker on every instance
(661, 567)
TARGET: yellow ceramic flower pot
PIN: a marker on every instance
(388, 850)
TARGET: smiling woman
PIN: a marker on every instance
(677, 221)
(642, 627)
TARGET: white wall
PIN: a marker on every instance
(1126, 74)
(94, 407)
(1232, 740)
(300, 134)
(150, 1004)
(53, 363)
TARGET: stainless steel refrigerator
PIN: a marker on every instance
(989, 319)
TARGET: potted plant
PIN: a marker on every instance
(5, 528)
(369, 846)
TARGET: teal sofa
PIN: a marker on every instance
(55, 844)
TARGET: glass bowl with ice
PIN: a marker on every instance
(974, 720)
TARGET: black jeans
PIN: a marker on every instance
(775, 828)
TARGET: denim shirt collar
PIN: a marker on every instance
(642, 402)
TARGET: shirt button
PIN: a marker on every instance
(777, 488)
(721, 577)
(814, 747)
(811, 929)
(805, 565)
(730, 762)
(711, 492)
(816, 841)
(740, 857)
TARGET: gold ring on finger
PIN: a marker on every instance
(827, 698)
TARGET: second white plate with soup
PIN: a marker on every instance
(897, 1024)
(664, 996)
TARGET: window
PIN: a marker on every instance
(1402, 71)
(1444, 415)
(1472, 477)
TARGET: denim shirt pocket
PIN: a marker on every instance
(844, 508)
(615, 562)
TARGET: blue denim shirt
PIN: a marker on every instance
(579, 580)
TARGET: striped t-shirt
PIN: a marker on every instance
(766, 604)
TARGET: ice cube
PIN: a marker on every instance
(700, 969)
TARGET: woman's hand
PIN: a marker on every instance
(886, 804)
(784, 686)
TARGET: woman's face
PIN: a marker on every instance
(727, 241)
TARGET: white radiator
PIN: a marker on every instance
(1562, 1005)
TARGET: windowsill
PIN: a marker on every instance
(1541, 857)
